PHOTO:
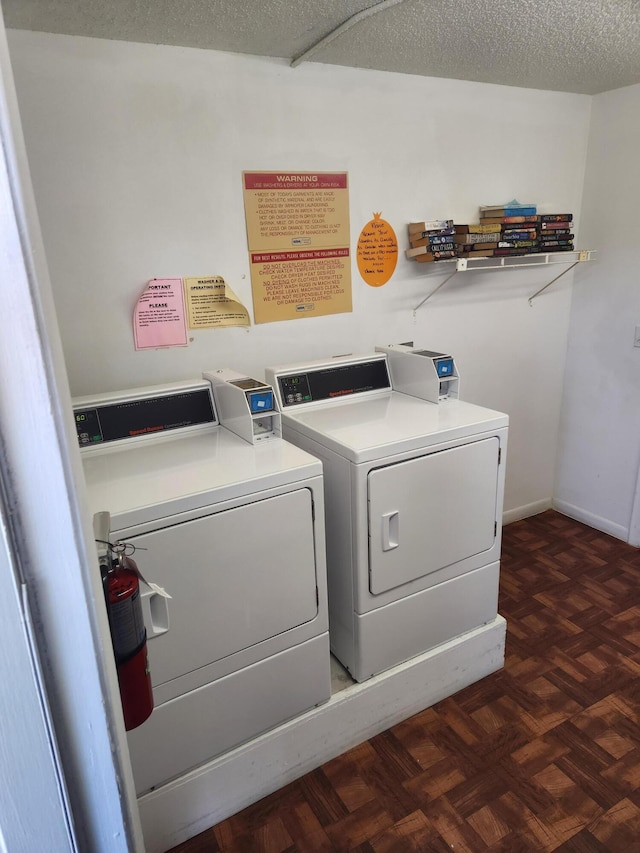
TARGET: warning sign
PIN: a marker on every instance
(287, 285)
(298, 234)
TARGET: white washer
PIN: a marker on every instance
(235, 534)
(413, 507)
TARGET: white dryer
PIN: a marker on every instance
(413, 502)
(234, 532)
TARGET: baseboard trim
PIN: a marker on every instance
(189, 805)
(535, 508)
(595, 521)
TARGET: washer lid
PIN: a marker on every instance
(150, 481)
(372, 428)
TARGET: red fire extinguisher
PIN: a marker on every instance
(129, 637)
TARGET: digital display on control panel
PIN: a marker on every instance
(334, 382)
(132, 418)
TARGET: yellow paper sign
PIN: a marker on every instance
(287, 285)
(377, 252)
(295, 210)
(298, 234)
(211, 302)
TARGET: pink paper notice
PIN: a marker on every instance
(159, 319)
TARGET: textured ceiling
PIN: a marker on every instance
(585, 46)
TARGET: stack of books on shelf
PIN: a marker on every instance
(431, 240)
(503, 230)
(514, 229)
(517, 226)
(556, 232)
(478, 240)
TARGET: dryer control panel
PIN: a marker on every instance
(330, 380)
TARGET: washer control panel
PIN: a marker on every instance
(133, 416)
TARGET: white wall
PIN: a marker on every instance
(600, 434)
(136, 153)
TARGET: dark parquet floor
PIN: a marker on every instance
(541, 756)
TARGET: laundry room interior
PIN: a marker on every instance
(136, 153)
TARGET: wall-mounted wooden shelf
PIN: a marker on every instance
(568, 259)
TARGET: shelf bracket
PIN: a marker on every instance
(504, 263)
(542, 289)
(435, 290)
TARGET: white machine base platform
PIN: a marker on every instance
(200, 799)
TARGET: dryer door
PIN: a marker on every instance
(236, 577)
(431, 512)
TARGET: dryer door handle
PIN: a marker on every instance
(155, 611)
(390, 530)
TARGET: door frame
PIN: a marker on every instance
(78, 759)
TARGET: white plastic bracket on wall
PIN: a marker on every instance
(505, 263)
